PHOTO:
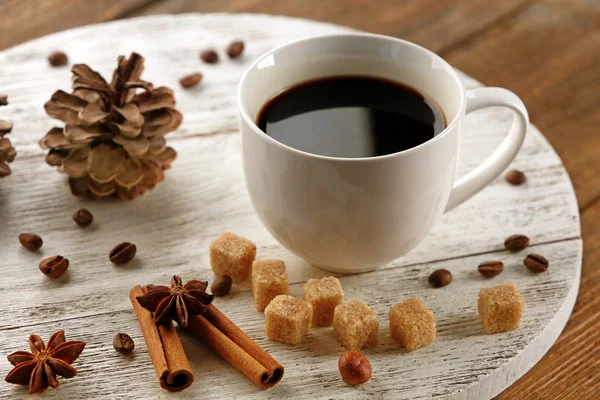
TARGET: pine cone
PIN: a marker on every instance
(113, 141)
(7, 152)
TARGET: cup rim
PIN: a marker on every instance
(246, 117)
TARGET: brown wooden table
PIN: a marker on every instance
(546, 51)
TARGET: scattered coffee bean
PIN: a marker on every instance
(5, 127)
(54, 267)
(221, 286)
(516, 243)
(536, 263)
(122, 253)
(123, 343)
(490, 268)
(3, 99)
(209, 56)
(235, 49)
(515, 177)
(440, 278)
(31, 241)
(191, 80)
(83, 217)
(58, 59)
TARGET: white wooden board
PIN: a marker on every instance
(204, 195)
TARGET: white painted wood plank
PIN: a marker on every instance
(461, 356)
(204, 195)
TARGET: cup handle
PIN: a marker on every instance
(488, 170)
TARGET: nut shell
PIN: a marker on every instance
(355, 368)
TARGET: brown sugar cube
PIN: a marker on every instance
(324, 295)
(269, 279)
(412, 324)
(287, 319)
(500, 308)
(232, 255)
(355, 325)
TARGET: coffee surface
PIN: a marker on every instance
(351, 117)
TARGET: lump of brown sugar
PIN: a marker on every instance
(287, 319)
(269, 280)
(324, 295)
(355, 325)
(412, 324)
(500, 308)
(232, 255)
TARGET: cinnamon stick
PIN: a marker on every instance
(218, 332)
(167, 354)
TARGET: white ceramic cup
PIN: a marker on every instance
(355, 214)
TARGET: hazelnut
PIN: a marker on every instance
(355, 368)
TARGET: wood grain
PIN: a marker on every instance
(549, 55)
(215, 200)
(311, 367)
(571, 369)
(522, 45)
(24, 20)
(431, 23)
(204, 195)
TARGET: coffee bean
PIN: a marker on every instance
(221, 286)
(31, 241)
(516, 243)
(53, 267)
(440, 278)
(515, 177)
(209, 56)
(58, 59)
(235, 49)
(5, 127)
(191, 80)
(83, 217)
(490, 268)
(123, 343)
(536, 263)
(122, 253)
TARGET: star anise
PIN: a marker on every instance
(39, 368)
(176, 302)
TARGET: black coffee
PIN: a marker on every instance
(351, 116)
